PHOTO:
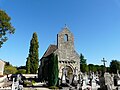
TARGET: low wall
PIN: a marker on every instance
(30, 75)
(2, 78)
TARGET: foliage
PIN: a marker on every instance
(91, 67)
(10, 69)
(114, 66)
(5, 27)
(33, 57)
(28, 65)
(53, 70)
(27, 83)
(94, 68)
(83, 64)
(21, 71)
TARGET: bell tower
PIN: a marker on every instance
(65, 41)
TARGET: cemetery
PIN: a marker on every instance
(92, 81)
(61, 67)
(68, 74)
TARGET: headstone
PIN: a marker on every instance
(63, 75)
(2, 63)
(109, 81)
(16, 85)
(75, 77)
(118, 74)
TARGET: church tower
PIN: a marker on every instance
(65, 43)
(67, 56)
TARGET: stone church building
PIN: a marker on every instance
(2, 63)
(68, 58)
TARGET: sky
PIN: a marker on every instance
(95, 25)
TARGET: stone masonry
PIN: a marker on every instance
(67, 56)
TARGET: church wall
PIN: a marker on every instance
(66, 53)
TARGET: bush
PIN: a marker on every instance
(10, 69)
(27, 83)
(21, 71)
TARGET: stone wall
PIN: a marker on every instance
(67, 56)
(1, 67)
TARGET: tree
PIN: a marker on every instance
(53, 70)
(9, 69)
(83, 64)
(33, 57)
(114, 66)
(28, 65)
(91, 67)
(5, 27)
(21, 71)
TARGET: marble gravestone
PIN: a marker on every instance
(63, 75)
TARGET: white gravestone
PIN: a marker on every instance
(64, 75)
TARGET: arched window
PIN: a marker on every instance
(65, 37)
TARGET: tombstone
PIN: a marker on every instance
(16, 85)
(63, 80)
(75, 82)
(109, 81)
(80, 79)
(118, 74)
(2, 63)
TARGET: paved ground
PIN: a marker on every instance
(36, 88)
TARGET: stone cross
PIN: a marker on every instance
(104, 61)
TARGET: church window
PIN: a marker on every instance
(65, 37)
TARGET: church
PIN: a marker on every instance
(68, 58)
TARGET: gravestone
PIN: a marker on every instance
(109, 81)
(63, 79)
(75, 82)
(16, 85)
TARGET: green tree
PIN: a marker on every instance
(53, 70)
(91, 67)
(9, 69)
(5, 27)
(83, 64)
(21, 71)
(28, 65)
(114, 66)
(33, 57)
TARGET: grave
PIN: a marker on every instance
(16, 83)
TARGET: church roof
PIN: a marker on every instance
(51, 49)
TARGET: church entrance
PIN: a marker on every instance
(69, 74)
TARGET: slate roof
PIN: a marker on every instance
(51, 49)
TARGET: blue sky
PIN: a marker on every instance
(94, 23)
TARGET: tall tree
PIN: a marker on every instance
(53, 70)
(114, 66)
(5, 27)
(33, 57)
(28, 65)
(83, 64)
